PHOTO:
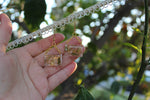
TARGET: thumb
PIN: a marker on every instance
(5, 32)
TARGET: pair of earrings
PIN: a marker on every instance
(72, 50)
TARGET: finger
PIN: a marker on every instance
(36, 48)
(61, 76)
(66, 60)
(5, 32)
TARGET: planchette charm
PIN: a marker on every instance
(74, 50)
(53, 60)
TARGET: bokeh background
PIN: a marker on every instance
(112, 37)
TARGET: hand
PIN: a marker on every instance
(23, 75)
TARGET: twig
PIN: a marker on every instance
(143, 62)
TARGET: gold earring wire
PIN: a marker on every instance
(74, 50)
(53, 59)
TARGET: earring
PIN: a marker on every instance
(74, 50)
(53, 59)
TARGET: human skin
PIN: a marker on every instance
(23, 74)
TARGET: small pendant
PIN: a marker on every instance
(74, 50)
(53, 60)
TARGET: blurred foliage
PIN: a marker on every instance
(113, 67)
(83, 94)
(34, 11)
(115, 87)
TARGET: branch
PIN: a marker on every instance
(109, 31)
(143, 62)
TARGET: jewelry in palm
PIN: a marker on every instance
(74, 50)
(54, 59)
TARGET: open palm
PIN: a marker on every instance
(23, 74)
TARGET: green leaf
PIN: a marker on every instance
(34, 11)
(83, 94)
(134, 47)
(115, 87)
